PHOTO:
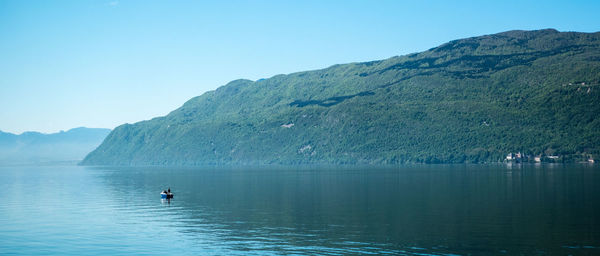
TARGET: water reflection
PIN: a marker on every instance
(455, 209)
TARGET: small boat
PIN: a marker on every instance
(165, 195)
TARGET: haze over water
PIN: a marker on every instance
(420, 210)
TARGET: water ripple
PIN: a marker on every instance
(98, 211)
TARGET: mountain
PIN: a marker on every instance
(35, 147)
(469, 100)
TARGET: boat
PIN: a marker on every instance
(166, 195)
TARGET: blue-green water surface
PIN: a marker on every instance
(410, 210)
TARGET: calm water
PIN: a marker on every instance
(415, 210)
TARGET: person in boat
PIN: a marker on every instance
(169, 192)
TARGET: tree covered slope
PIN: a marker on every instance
(469, 100)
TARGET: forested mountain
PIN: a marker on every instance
(35, 147)
(469, 100)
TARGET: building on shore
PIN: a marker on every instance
(516, 157)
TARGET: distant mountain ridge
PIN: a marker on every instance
(469, 100)
(34, 147)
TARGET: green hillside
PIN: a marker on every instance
(469, 100)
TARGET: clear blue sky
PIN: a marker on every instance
(66, 64)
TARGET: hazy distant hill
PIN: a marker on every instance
(469, 100)
(35, 147)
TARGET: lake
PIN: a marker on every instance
(407, 210)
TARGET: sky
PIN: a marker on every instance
(95, 63)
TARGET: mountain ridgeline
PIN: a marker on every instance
(471, 100)
(39, 148)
